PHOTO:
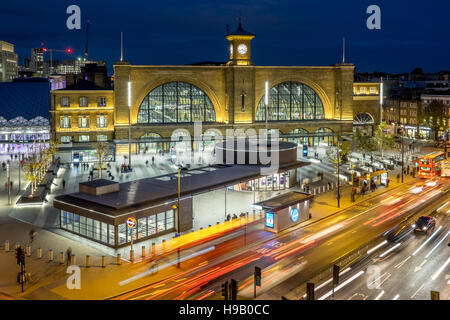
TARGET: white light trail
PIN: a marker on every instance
(428, 240)
(342, 285)
(328, 281)
(442, 206)
(376, 247)
(129, 94)
(437, 245)
(437, 273)
(396, 297)
(165, 266)
(391, 249)
(380, 295)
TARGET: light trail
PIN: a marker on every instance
(380, 295)
(437, 273)
(376, 247)
(390, 250)
(143, 274)
(329, 280)
(207, 294)
(426, 241)
(342, 285)
(437, 245)
(396, 297)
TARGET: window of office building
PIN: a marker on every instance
(102, 101)
(66, 139)
(83, 138)
(83, 102)
(65, 122)
(102, 121)
(102, 137)
(362, 90)
(65, 102)
(373, 90)
(83, 122)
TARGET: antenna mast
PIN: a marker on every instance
(87, 40)
(121, 46)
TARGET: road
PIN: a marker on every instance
(292, 257)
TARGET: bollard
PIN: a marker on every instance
(131, 255)
(6, 245)
(17, 245)
(324, 188)
(28, 250)
(39, 253)
(74, 260)
(119, 260)
(217, 222)
(153, 248)
(143, 251)
(61, 257)
(328, 187)
(50, 255)
(103, 261)
(164, 245)
(88, 261)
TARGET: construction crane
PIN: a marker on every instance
(68, 51)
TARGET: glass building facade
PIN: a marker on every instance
(105, 233)
(291, 101)
(176, 102)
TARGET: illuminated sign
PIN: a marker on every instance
(294, 215)
(269, 219)
(131, 222)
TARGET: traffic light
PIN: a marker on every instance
(69, 50)
(309, 291)
(233, 289)
(19, 255)
(258, 276)
(336, 274)
(225, 290)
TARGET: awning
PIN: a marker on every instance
(370, 175)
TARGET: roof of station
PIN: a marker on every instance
(25, 99)
(240, 31)
(285, 200)
(159, 190)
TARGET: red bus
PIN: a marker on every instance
(430, 165)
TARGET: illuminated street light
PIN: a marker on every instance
(129, 124)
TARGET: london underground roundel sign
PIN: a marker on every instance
(131, 222)
(294, 215)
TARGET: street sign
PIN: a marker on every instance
(131, 222)
(258, 276)
(336, 274)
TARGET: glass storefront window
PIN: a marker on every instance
(83, 228)
(169, 219)
(161, 222)
(111, 237)
(69, 221)
(122, 230)
(89, 224)
(142, 228)
(96, 230)
(76, 223)
(104, 232)
(151, 225)
(64, 219)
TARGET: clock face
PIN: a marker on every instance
(231, 49)
(242, 49)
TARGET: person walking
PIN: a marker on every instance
(69, 255)
(153, 160)
(64, 184)
(146, 163)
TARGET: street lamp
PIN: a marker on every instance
(403, 153)
(338, 150)
(266, 102)
(129, 123)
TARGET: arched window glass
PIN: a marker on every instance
(291, 101)
(176, 102)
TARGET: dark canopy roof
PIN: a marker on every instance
(240, 31)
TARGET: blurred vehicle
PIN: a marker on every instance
(445, 168)
(424, 224)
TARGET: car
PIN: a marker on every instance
(424, 224)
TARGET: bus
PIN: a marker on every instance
(430, 165)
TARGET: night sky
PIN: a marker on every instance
(168, 32)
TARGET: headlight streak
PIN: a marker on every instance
(426, 241)
(437, 273)
(380, 295)
(376, 247)
(360, 273)
(437, 245)
(390, 250)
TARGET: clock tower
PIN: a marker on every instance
(239, 48)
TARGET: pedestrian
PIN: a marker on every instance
(69, 255)
(407, 169)
(32, 235)
(64, 184)
(11, 184)
(146, 163)
(387, 183)
(153, 160)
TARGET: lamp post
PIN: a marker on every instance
(403, 153)
(338, 172)
(266, 102)
(129, 122)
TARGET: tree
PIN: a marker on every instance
(344, 154)
(383, 139)
(434, 116)
(364, 143)
(101, 149)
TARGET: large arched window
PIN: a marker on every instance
(291, 101)
(176, 102)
